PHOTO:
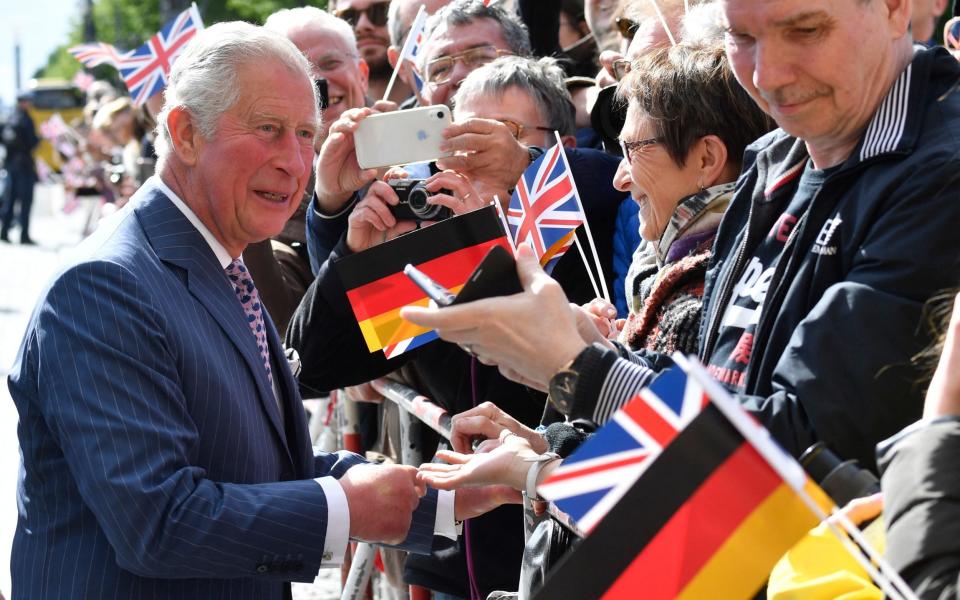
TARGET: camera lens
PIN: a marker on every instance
(419, 205)
(440, 114)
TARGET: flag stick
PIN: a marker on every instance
(506, 224)
(884, 569)
(586, 225)
(411, 39)
(663, 21)
(586, 264)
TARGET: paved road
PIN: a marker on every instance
(24, 270)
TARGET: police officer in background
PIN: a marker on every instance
(19, 137)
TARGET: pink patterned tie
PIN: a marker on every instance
(250, 300)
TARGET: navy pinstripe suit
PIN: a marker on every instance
(155, 461)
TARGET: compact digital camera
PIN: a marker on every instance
(413, 204)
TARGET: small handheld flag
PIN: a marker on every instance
(145, 69)
(544, 209)
(410, 51)
(591, 480)
(447, 252)
(96, 54)
(708, 518)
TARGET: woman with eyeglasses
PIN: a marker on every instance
(688, 122)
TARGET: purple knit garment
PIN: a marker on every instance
(250, 300)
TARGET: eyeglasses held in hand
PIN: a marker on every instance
(439, 70)
(621, 68)
(517, 129)
(376, 14)
(631, 150)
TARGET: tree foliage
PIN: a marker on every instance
(128, 23)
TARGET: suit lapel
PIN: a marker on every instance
(176, 241)
(298, 439)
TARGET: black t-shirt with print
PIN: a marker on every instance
(734, 347)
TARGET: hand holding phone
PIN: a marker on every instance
(436, 292)
(496, 275)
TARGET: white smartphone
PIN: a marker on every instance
(401, 137)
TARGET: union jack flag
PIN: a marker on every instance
(591, 480)
(545, 208)
(145, 69)
(413, 44)
(96, 54)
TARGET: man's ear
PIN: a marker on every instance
(184, 135)
(898, 16)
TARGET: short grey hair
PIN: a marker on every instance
(541, 79)
(204, 79)
(703, 24)
(289, 20)
(465, 12)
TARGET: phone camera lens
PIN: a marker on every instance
(440, 114)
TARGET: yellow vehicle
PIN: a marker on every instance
(51, 96)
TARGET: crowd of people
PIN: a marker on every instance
(771, 187)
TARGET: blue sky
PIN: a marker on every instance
(41, 26)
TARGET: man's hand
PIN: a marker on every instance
(382, 499)
(486, 153)
(488, 421)
(338, 174)
(371, 222)
(943, 396)
(530, 335)
(464, 197)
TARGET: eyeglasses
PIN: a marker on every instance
(620, 67)
(440, 69)
(631, 150)
(376, 14)
(627, 28)
(517, 129)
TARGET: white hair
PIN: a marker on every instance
(205, 77)
(290, 20)
(702, 25)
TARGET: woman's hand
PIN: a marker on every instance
(463, 196)
(371, 222)
(504, 465)
(488, 421)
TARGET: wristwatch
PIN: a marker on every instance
(534, 152)
(563, 385)
(533, 474)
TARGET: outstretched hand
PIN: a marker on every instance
(504, 465)
(530, 335)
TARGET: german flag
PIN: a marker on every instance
(709, 519)
(448, 252)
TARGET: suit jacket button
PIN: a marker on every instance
(262, 569)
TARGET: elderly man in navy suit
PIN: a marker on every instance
(165, 450)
